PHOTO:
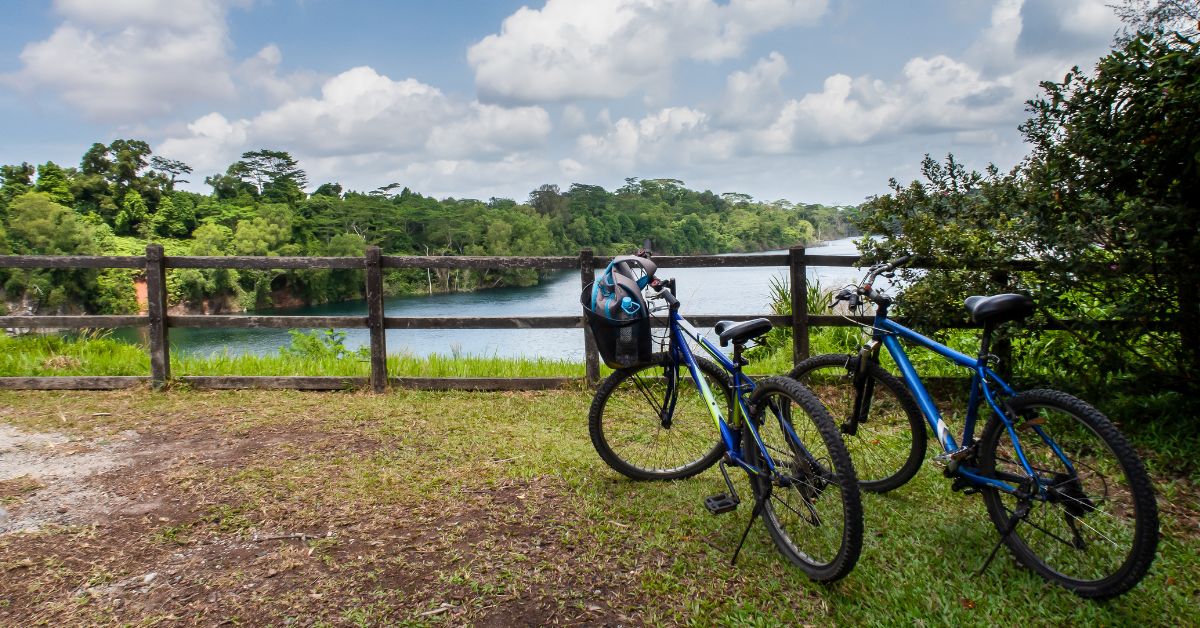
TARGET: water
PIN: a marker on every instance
(701, 291)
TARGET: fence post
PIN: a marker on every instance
(799, 283)
(374, 294)
(156, 311)
(587, 274)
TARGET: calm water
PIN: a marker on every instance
(701, 291)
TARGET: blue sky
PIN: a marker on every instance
(808, 100)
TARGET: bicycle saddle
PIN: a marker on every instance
(741, 332)
(999, 308)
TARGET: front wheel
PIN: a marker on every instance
(810, 500)
(887, 441)
(636, 432)
(1094, 526)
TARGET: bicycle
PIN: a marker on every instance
(647, 422)
(1074, 481)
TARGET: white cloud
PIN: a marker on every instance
(124, 58)
(753, 97)
(675, 133)
(210, 141)
(359, 110)
(1026, 42)
(363, 116)
(572, 49)
(262, 72)
(489, 129)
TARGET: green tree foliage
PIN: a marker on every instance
(52, 180)
(38, 225)
(14, 181)
(123, 195)
(1107, 201)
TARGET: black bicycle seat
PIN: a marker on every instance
(738, 333)
(999, 308)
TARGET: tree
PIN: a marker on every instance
(133, 213)
(53, 181)
(275, 174)
(1158, 16)
(39, 226)
(14, 181)
(171, 167)
(1115, 177)
(332, 190)
(1107, 201)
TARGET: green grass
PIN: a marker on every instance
(923, 542)
(55, 354)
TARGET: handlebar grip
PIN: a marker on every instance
(670, 298)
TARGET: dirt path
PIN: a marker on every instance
(199, 523)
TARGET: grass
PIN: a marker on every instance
(430, 451)
(96, 354)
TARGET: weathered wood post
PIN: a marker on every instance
(374, 294)
(799, 283)
(587, 274)
(156, 311)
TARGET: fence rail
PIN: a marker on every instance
(155, 265)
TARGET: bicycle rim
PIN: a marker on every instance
(812, 509)
(628, 428)
(889, 445)
(1096, 534)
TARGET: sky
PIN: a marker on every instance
(805, 100)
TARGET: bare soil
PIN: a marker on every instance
(192, 524)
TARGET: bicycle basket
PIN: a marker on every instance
(616, 312)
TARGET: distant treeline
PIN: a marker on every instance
(122, 196)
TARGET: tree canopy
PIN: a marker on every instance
(1107, 201)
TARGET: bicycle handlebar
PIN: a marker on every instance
(867, 289)
(663, 291)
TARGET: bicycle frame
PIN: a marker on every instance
(983, 378)
(679, 331)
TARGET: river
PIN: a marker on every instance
(701, 291)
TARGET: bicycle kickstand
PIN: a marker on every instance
(1020, 513)
(758, 506)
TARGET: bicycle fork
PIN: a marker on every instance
(864, 388)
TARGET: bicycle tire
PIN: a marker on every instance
(889, 447)
(1080, 497)
(826, 539)
(627, 431)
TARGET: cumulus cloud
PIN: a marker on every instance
(573, 49)
(122, 58)
(680, 134)
(969, 98)
(753, 97)
(361, 114)
(261, 72)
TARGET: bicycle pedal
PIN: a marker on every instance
(721, 503)
(964, 486)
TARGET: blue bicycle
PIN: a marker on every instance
(654, 421)
(1063, 487)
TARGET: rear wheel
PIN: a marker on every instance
(634, 433)
(1095, 530)
(811, 504)
(888, 443)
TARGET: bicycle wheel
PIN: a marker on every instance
(1097, 529)
(631, 434)
(811, 505)
(889, 445)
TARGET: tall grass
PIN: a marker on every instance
(316, 353)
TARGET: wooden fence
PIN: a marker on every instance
(155, 265)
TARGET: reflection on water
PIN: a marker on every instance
(744, 291)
